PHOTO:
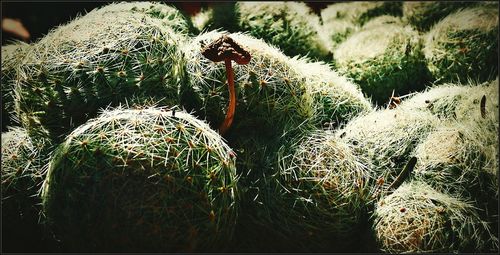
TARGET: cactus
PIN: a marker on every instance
(275, 94)
(291, 26)
(383, 58)
(335, 99)
(11, 57)
(388, 138)
(462, 159)
(464, 46)
(169, 15)
(417, 218)
(95, 61)
(382, 20)
(142, 180)
(461, 102)
(23, 171)
(324, 194)
(360, 12)
(423, 15)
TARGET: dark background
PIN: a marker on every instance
(39, 17)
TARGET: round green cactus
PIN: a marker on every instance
(360, 12)
(388, 138)
(12, 54)
(383, 58)
(462, 159)
(291, 26)
(464, 46)
(275, 94)
(460, 102)
(142, 180)
(95, 61)
(335, 99)
(424, 14)
(324, 194)
(417, 218)
(169, 15)
(23, 171)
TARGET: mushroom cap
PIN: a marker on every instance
(226, 48)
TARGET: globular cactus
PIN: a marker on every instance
(290, 26)
(388, 138)
(335, 99)
(461, 158)
(142, 180)
(12, 55)
(382, 20)
(322, 199)
(464, 46)
(417, 218)
(461, 102)
(23, 171)
(169, 15)
(383, 58)
(94, 61)
(424, 14)
(275, 94)
(340, 20)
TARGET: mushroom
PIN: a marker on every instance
(225, 48)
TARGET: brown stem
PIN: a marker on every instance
(232, 99)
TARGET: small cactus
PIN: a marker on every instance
(23, 171)
(142, 180)
(383, 58)
(464, 46)
(169, 15)
(95, 61)
(461, 102)
(12, 54)
(424, 14)
(325, 192)
(388, 138)
(417, 218)
(290, 26)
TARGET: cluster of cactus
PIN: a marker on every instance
(340, 20)
(290, 26)
(307, 164)
(417, 218)
(383, 58)
(95, 61)
(464, 45)
(142, 179)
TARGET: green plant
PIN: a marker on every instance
(383, 58)
(461, 102)
(464, 45)
(169, 15)
(323, 192)
(142, 180)
(11, 58)
(290, 26)
(417, 218)
(424, 14)
(95, 61)
(24, 163)
(388, 138)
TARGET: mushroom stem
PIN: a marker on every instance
(232, 98)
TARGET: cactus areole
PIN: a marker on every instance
(226, 49)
